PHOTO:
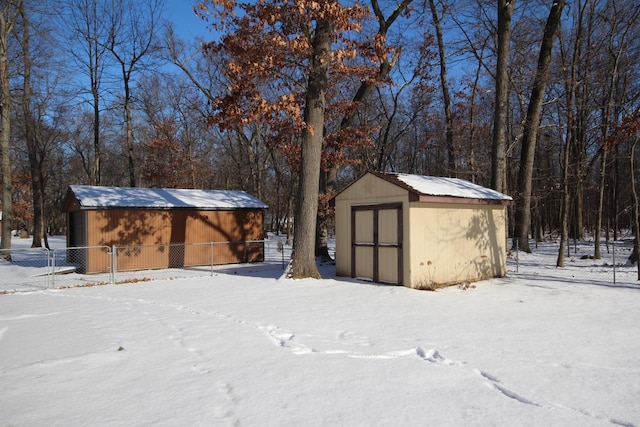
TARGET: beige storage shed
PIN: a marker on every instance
(420, 231)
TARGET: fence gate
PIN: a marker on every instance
(376, 242)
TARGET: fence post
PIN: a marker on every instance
(114, 266)
(49, 269)
(613, 245)
(53, 270)
(211, 253)
(281, 250)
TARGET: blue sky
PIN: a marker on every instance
(186, 23)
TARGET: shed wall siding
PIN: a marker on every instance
(142, 231)
(456, 243)
(367, 190)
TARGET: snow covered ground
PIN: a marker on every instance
(246, 347)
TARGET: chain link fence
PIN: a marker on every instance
(23, 269)
(35, 269)
(580, 266)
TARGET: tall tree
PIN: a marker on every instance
(622, 21)
(531, 127)
(303, 259)
(274, 41)
(9, 11)
(244, 143)
(387, 57)
(446, 96)
(36, 174)
(131, 35)
(570, 70)
(498, 152)
(629, 129)
(86, 45)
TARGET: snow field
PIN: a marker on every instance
(246, 348)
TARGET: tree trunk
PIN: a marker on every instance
(131, 158)
(446, 97)
(566, 199)
(8, 13)
(603, 168)
(634, 192)
(303, 262)
(96, 171)
(619, 46)
(531, 126)
(30, 134)
(498, 153)
(327, 184)
(90, 34)
(366, 85)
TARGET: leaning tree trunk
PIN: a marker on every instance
(531, 127)
(303, 261)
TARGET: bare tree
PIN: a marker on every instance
(616, 47)
(531, 126)
(498, 152)
(86, 46)
(444, 84)
(131, 39)
(9, 11)
(570, 70)
(37, 189)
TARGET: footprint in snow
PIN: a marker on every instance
(434, 356)
(354, 338)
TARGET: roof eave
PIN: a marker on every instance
(459, 200)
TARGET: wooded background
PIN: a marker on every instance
(106, 92)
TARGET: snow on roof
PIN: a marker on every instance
(120, 197)
(451, 187)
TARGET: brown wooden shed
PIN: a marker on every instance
(420, 231)
(161, 228)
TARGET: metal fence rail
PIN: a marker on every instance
(28, 268)
(580, 267)
(34, 269)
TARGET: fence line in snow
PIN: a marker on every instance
(23, 269)
(579, 264)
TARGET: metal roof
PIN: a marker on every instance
(163, 198)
